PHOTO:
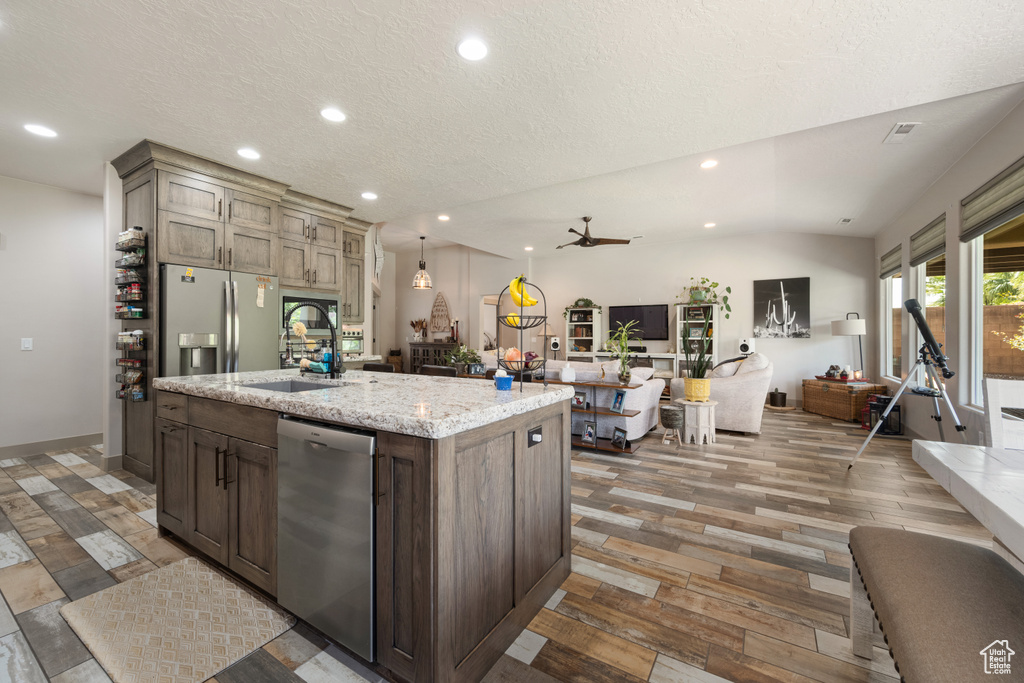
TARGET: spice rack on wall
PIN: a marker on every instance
(130, 300)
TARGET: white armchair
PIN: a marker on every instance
(740, 389)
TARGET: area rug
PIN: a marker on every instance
(182, 623)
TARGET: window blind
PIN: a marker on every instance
(994, 203)
(928, 242)
(891, 263)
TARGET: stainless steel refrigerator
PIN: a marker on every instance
(217, 321)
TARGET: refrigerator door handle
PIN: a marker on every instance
(238, 332)
(228, 328)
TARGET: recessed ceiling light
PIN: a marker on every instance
(332, 114)
(368, 195)
(40, 130)
(527, 248)
(709, 225)
(442, 217)
(472, 49)
(709, 163)
(248, 153)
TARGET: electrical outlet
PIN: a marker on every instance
(26, 343)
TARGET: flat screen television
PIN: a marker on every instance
(653, 320)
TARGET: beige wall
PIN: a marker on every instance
(51, 275)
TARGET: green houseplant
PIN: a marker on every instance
(460, 356)
(582, 302)
(618, 344)
(701, 292)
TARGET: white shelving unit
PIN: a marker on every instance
(583, 332)
(690, 331)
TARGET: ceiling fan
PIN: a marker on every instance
(586, 240)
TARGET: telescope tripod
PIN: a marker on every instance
(923, 359)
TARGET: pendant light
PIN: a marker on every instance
(422, 279)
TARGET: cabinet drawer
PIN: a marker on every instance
(245, 422)
(172, 406)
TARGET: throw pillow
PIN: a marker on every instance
(753, 363)
(726, 369)
(642, 374)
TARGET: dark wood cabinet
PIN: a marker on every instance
(207, 493)
(172, 476)
(428, 353)
(252, 512)
(215, 490)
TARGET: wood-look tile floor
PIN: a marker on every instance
(722, 562)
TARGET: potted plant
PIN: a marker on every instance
(460, 356)
(618, 344)
(703, 292)
(582, 302)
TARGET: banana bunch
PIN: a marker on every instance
(513, 319)
(519, 295)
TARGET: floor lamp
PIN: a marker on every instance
(852, 327)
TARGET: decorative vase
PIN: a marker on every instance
(460, 368)
(697, 295)
(624, 374)
(697, 389)
(567, 374)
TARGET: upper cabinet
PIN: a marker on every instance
(353, 276)
(190, 197)
(353, 245)
(251, 211)
(326, 232)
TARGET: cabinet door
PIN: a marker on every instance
(293, 267)
(326, 264)
(172, 476)
(252, 512)
(208, 493)
(251, 251)
(404, 534)
(191, 197)
(189, 241)
(353, 291)
(326, 232)
(294, 225)
(354, 242)
(249, 211)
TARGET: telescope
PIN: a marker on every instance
(934, 348)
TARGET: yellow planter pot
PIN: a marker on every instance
(697, 389)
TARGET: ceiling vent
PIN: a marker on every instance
(845, 221)
(900, 132)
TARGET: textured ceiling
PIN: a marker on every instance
(570, 90)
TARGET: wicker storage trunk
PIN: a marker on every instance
(838, 400)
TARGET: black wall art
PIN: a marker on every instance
(782, 308)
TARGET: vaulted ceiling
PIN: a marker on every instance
(597, 107)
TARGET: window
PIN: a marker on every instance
(992, 223)
(890, 267)
(928, 257)
(999, 304)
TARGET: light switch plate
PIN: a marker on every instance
(26, 343)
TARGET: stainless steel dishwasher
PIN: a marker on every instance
(325, 530)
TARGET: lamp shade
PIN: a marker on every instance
(422, 278)
(855, 327)
(548, 330)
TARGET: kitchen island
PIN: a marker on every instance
(471, 499)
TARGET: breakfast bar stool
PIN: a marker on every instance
(949, 610)
(699, 420)
(672, 421)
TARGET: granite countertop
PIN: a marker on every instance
(417, 405)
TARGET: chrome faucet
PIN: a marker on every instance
(336, 366)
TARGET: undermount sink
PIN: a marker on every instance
(288, 386)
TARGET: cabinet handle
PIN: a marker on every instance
(229, 256)
(314, 277)
(376, 477)
(305, 232)
(226, 456)
(219, 202)
(229, 212)
(216, 466)
(307, 276)
(220, 254)
(314, 233)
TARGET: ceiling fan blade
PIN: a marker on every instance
(568, 245)
(597, 242)
(574, 230)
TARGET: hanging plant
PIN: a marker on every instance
(703, 291)
(582, 302)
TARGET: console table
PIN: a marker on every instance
(428, 353)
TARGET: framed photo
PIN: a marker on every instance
(579, 400)
(619, 438)
(620, 398)
(696, 332)
(590, 432)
